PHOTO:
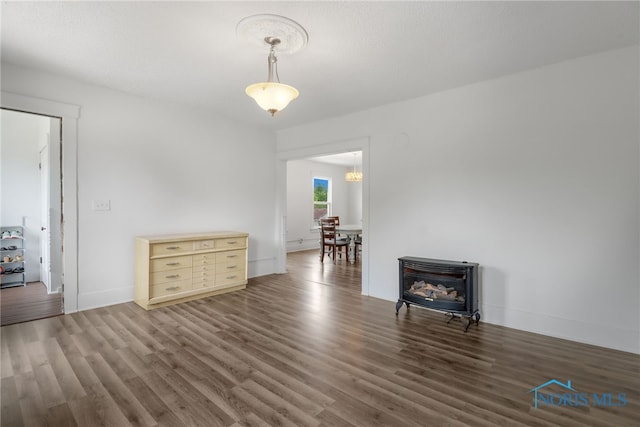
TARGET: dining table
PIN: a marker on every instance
(352, 231)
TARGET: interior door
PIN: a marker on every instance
(45, 205)
(55, 226)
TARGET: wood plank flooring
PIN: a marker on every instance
(30, 302)
(299, 349)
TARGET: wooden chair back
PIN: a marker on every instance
(329, 241)
(337, 223)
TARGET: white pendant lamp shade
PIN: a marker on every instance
(272, 96)
(276, 32)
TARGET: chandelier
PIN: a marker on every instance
(354, 175)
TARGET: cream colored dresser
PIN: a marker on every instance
(182, 267)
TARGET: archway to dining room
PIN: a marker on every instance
(298, 173)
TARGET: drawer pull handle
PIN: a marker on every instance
(231, 256)
(172, 288)
(173, 247)
(230, 267)
(231, 277)
(172, 263)
(232, 243)
(172, 276)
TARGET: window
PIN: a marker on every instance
(321, 198)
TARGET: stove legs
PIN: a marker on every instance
(399, 305)
(466, 319)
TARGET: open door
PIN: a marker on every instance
(51, 210)
(45, 241)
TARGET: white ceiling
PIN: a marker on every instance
(359, 55)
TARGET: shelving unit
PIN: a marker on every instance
(12, 254)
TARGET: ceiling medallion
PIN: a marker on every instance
(254, 29)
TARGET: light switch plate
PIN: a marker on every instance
(102, 205)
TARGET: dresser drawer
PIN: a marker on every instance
(227, 278)
(203, 271)
(170, 288)
(170, 276)
(172, 263)
(204, 259)
(232, 243)
(171, 248)
(231, 267)
(204, 281)
(200, 245)
(238, 256)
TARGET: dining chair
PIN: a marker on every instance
(337, 221)
(357, 247)
(328, 243)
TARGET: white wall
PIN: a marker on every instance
(23, 135)
(533, 175)
(345, 198)
(166, 169)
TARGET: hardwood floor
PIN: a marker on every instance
(30, 302)
(299, 349)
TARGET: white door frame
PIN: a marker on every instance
(69, 115)
(359, 144)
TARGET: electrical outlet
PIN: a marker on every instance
(102, 205)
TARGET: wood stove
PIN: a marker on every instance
(447, 286)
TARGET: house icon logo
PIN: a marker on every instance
(537, 390)
(568, 396)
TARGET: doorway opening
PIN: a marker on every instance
(317, 188)
(297, 170)
(31, 184)
(69, 115)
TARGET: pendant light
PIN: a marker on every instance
(353, 176)
(281, 34)
(272, 96)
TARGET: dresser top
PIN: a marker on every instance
(162, 238)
